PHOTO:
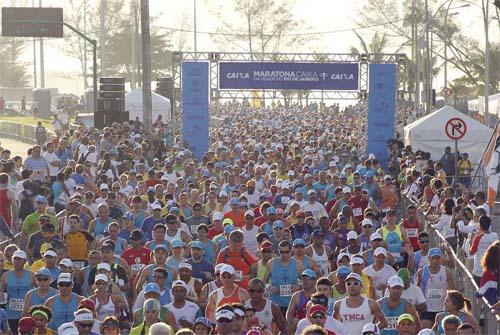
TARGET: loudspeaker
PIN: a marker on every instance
(105, 105)
(99, 120)
(112, 80)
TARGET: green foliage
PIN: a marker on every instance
(13, 72)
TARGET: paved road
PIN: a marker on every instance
(17, 148)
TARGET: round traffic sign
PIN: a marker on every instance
(446, 92)
(455, 128)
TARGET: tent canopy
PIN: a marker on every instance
(428, 134)
(160, 105)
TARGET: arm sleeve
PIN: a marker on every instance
(475, 244)
(465, 229)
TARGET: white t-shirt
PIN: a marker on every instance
(413, 294)
(331, 324)
(485, 241)
(444, 225)
(250, 238)
(188, 312)
(127, 190)
(380, 277)
(52, 157)
(317, 209)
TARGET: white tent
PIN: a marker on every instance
(160, 105)
(493, 105)
(428, 134)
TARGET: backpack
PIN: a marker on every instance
(26, 207)
(83, 158)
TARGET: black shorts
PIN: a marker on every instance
(431, 316)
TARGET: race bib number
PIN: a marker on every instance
(466, 172)
(239, 275)
(285, 290)
(285, 200)
(267, 294)
(194, 229)
(16, 304)
(357, 212)
(136, 267)
(435, 294)
(392, 321)
(412, 232)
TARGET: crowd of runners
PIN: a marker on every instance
(285, 226)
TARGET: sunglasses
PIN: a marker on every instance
(285, 251)
(377, 240)
(224, 320)
(42, 278)
(254, 291)
(299, 246)
(423, 241)
(351, 283)
(158, 277)
(318, 316)
(226, 276)
(100, 282)
(85, 325)
(64, 284)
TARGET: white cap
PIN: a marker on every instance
(228, 268)
(83, 316)
(185, 265)
(224, 313)
(380, 251)
(332, 164)
(218, 267)
(291, 173)
(371, 156)
(179, 283)
(155, 205)
(66, 262)
(20, 254)
(250, 212)
(342, 255)
(357, 260)
(366, 222)
(222, 194)
(103, 266)
(371, 328)
(426, 331)
(375, 236)
(50, 252)
(352, 235)
(217, 216)
(64, 278)
(164, 177)
(101, 276)
(387, 177)
(395, 281)
(346, 189)
(104, 186)
(67, 329)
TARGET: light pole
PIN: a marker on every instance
(194, 19)
(486, 63)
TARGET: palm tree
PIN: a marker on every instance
(377, 46)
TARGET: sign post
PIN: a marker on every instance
(455, 128)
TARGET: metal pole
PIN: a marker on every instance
(94, 69)
(456, 161)
(146, 66)
(195, 42)
(42, 61)
(34, 57)
(417, 82)
(85, 44)
(134, 48)
(102, 36)
(446, 46)
(428, 62)
(486, 64)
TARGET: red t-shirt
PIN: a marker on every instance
(137, 258)
(238, 217)
(412, 230)
(212, 232)
(358, 207)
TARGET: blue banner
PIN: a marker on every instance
(381, 109)
(195, 103)
(290, 76)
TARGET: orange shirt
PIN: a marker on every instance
(238, 217)
(241, 260)
(389, 197)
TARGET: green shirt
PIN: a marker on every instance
(31, 223)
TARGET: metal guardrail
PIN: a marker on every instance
(20, 131)
(14, 240)
(462, 277)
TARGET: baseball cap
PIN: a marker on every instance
(185, 265)
(64, 278)
(41, 199)
(343, 271)
(332, 164)
(20, 254)
(317, 233)
(103, 186)
(367, 222)
(266, 245)
(26, 325)
(405, 316)
(66, 262)
(227, 221)
(155, 206)
(151, 189)
(435, 252)
(426, 331)
(387, 177)
(229, 228)
(87, 303)
(395, 281)
(369, 174)
(370, 328)
(317, 309)
(375, 236)
(176, 243)
(380, 251)
(197, 245)
(224, 314)
(299, 241)
(67, 329)
(136, 234)
(217, 216)
(352, 235)
(291, 173)
(152, 288)
(204, 321)
(179, 283)
(342, 255)
(271, 210)
(357, 260)
(227, 269)
(346, 189)
(103, 266)
(43, 272)
(311, 192)
(309, 274)
(250, 212)
(234, 201)
(110, 322)
(101, 276)
(355, 276)
(278, 224)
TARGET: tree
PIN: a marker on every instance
(13, 71)
(377, 46)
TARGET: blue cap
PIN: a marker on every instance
(151, 189)
(271, 210)
(43, 272)
(152, 287)
(173, 209)
(299, 241)
(369, 174)
(342, 176)
(205, 173)
(229, 228)
(317, 232)
(235, 201)
(309, 273)
(204, 321)
(435, 252)
(197, 244)
(176, 243)
(161, 246)
(278, 224)
(343, 271)
(41, 199)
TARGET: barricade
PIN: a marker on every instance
(462, 277)
(19, 131)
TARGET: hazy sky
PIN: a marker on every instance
(319, 15)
